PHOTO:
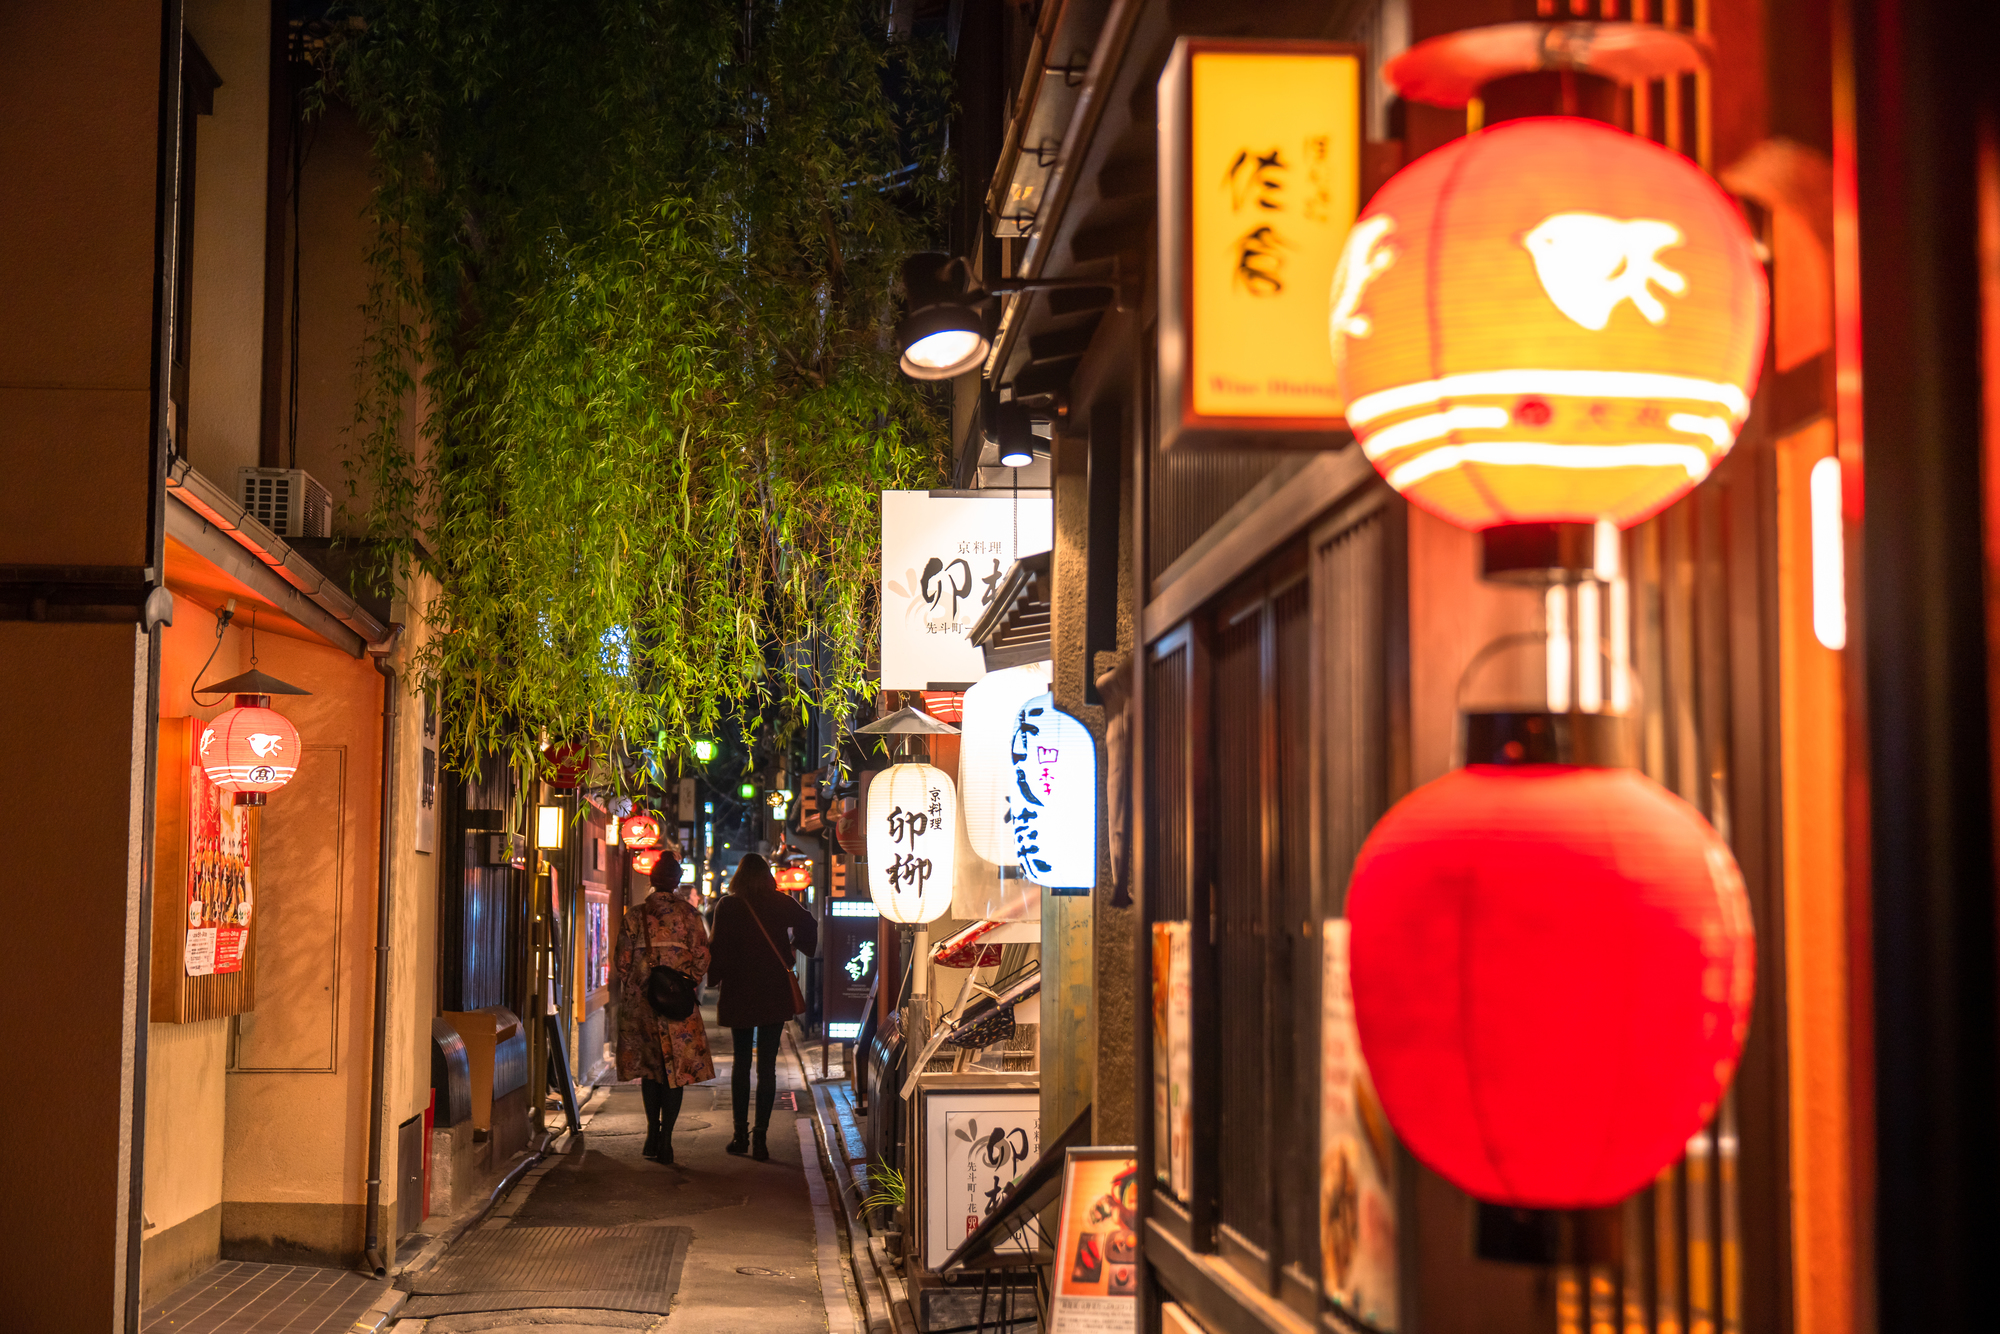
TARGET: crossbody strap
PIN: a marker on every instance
(783, 962)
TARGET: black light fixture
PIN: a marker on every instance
(945, 332)
(948, 327)
(1013, 430)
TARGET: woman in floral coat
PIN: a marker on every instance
(664, 1055)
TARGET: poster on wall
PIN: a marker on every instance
(427, 776)
(1173, 1063)
(1097, 1249)
(977, 1142)
(219, 890)
(944, 555)
(1357, 1165)
(596, 940)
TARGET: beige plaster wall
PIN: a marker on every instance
(226, 351)
(296, 1155)
(185, 1065)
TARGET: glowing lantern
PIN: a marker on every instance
(1550, 321)
(985, 755)
(1054, 801)
(794, 879)
(910, 842)
(644, 860)
(1552, 972)
(250, 750)
(640, 831)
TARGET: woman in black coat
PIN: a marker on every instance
(757, 930)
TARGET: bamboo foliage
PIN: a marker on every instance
(637, 258)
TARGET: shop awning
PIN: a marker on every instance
(1035, 1190)
(1015, 629)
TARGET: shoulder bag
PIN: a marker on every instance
(791, 978)
(671, 993)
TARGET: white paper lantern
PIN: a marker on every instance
(985, 755)
(1055, 797)
(910, 842)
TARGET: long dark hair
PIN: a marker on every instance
(753, 872)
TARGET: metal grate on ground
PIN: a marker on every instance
(576, 1268)
(245, 1298)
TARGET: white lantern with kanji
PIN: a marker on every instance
(1054, 801)
(985, 763)
(911, 842)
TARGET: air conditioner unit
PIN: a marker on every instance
(287, 501)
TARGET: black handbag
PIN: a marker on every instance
(670, 992)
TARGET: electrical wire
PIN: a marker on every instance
(222, 620)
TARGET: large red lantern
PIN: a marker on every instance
(1552, 972)
(640, 831)
(250, 750)
(1548, 321)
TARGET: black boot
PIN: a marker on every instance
(652, 1149)
(741, 1144)
(760, 1150)
(666, 1154)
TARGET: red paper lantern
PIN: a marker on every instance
(250, 750)
(644, 860)
(570, 761)
(794, 879)
(1552, 972)
(1550, 321)
(639, 831)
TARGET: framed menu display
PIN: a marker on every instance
(1096, 1283)
(204, 888)
(977, 1141)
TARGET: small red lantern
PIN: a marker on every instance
(644, 860)
(794, 879)
(1548, 321)
(639, 831)
(570, 761)
(1552, 972)
(250, 750)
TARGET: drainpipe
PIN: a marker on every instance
(373, 1248)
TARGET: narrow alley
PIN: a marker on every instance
(594, 1237)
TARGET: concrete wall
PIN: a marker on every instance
(79, 93)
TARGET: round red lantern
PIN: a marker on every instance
(644, 860)
(639, 831)
(1552, 972)
(250, 750)
(569, 761)
(1548, 321)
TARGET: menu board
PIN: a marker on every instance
(219, 892)
(1097, 1249)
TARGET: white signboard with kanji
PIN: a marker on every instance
(944, 555)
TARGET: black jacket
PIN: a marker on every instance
(745, 966)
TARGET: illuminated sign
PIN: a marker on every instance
(1261, 146)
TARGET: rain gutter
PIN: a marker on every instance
(207, 520)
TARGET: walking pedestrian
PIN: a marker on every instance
(664, 1053)
(757, 930)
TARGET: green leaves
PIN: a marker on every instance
(635, 262)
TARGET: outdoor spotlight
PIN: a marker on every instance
(1013, 430)
(945, 332)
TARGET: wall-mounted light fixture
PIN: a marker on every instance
(1829, 574)
(548, 826)
(950, 320)
(1013, 430)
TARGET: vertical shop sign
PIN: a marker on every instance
(1261, 142)
(977, 1142)
(944, 555)
(1357, 1174)
(1173, 1059)
(427, 776)
(220, 894)
(1097, 1250)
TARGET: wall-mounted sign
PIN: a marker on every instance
(977, 1142)
(944, 554)
(1260, 162)
(1052, 805)
(220, 895)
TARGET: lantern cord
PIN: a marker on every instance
(222, 620)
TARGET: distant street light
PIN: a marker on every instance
(704, 750)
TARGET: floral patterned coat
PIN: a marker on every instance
(665, 929)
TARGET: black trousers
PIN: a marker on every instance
(663, 1105)
(767, 1073)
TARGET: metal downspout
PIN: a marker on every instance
(378, 1057)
